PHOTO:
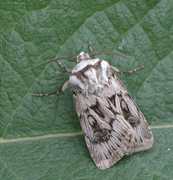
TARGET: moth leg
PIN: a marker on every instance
(89, 44)
(61, 89)
(63, 67)
(125, 72)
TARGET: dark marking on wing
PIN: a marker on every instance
(100, 134)
(133, 121)
(124, 107)
(112, 99)
(93, 122)
(111, 122)
(98, 109)
(74, 92)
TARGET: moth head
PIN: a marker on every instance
(82, 56)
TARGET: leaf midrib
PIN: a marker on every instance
(2, 141)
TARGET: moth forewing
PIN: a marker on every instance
(112, 123)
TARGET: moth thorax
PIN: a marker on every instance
(82, 56)
(90, 76)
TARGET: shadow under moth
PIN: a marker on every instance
(112, 123)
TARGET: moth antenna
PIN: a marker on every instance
(109, 52)
(68, 57)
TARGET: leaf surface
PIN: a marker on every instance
(41, 137)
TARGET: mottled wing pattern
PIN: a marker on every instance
(112, 123)
(142, 135)
(107, 134)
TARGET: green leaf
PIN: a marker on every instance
(41, 137)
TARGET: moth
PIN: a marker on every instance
(112, 123)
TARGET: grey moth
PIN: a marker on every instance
(112, 123)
